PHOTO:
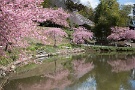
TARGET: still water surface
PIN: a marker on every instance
(81, 72)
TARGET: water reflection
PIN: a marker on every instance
(88, 84)
(86, 72)
(81, 68)
(123, 65)
(58, 80)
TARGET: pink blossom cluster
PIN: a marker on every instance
(57, 16)
(16, 21)
(122, 65)
(81, 34)
(130, 34)
(119, 33)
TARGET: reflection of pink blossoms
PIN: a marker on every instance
(57, 80)
(58, 75)
(81, 35)
(122, 65)
(81, 68)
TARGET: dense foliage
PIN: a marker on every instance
(125, 10)
(106, 16)
(47, 4)
(87, 12)
(72, 6)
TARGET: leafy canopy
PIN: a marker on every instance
(106, 16)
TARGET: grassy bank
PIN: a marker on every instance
(111, 49)
(38, 51)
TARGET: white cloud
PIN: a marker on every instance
(129, 3)
(92, 3)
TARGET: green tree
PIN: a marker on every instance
(87, 12)
(47, 3)
(106, 16)
(124, 18)
(71, 5)
(54, 3)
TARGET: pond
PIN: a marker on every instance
(80, 72)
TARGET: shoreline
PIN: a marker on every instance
(12, 66)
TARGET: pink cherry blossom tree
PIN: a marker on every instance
(18, 19)
(57, 16)
(56, 34)
(119, 33)
(81, 35)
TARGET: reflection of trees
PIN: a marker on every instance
(58, 80)
(58, 75)
(122, 65)
(91, 72)
(105, 79)
(81, 68)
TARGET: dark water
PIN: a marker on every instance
(81, 72)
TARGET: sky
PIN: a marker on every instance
(94, 3)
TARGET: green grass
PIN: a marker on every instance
(70, 33)
(111, 48)
(65, 45)
(49, 49)
(45, 48)
(5, 61)
(27, 67)
(11, 55)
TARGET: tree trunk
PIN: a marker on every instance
(54, 40)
